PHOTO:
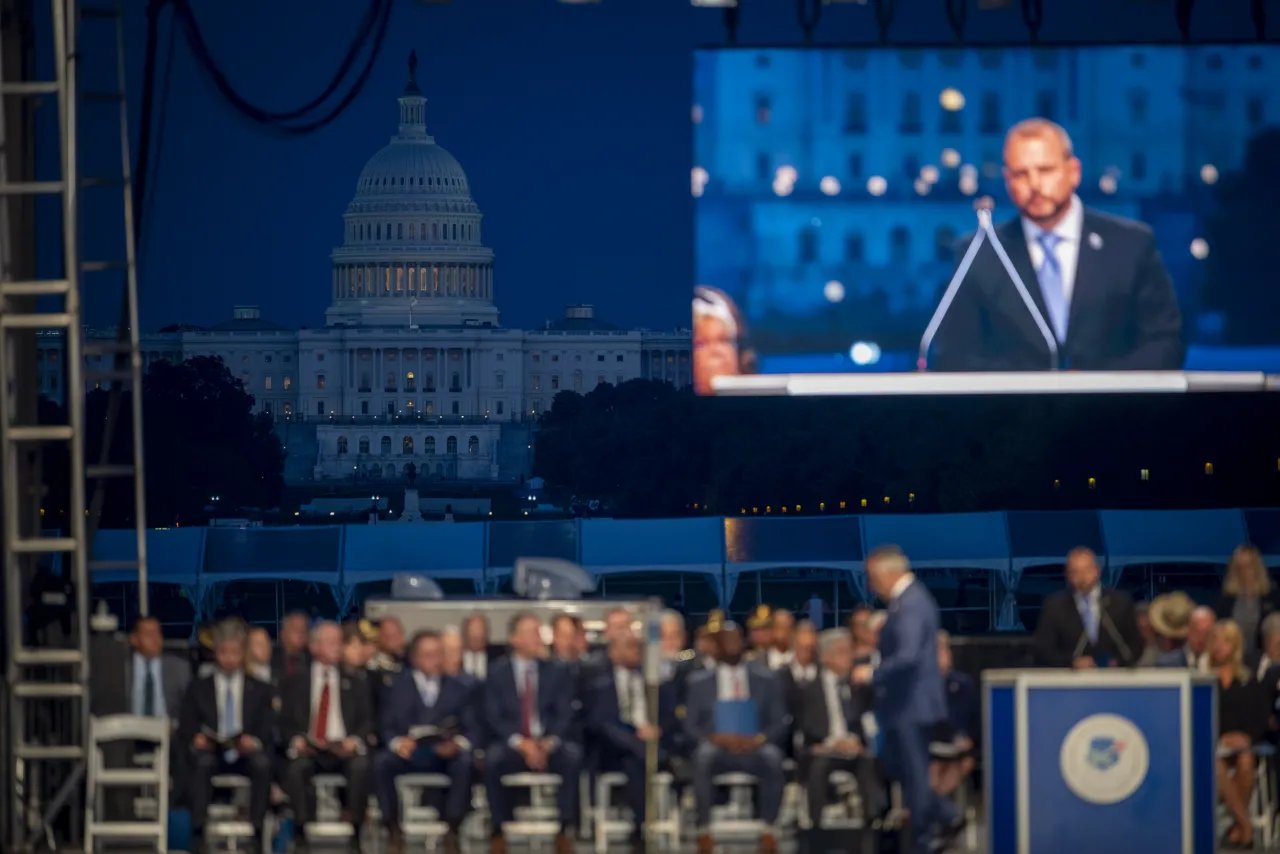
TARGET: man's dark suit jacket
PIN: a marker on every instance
(1123, 315)
(814, 723)
(404, 710)
(502, 701)
(200, 711)
(353, 695)
(283, 665)
(604, 717)
(1060, 629)
(908, 682)
(766, 690)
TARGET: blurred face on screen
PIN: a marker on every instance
(259, 650)
(715, 353)
(784, 627)
(564, 640)
(1082, 571)
(147, 639)
(672, 638)
(426, 656)
(293, 634)
(391, 637)
(451, 651)
(1040, 174)
(230, 655)
(729, 643)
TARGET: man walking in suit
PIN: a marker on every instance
(758, 754)
(529, 709)
(909, 699)
(424, 696)
(1097, 280)
(326, 724)
(1085, 626)
(227, 723)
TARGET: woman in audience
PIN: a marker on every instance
(1242, 720)
(1247, 597)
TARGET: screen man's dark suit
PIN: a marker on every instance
(1060, 635)
(1123, 313)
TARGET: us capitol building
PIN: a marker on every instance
(412, 365)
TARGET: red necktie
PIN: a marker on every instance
(526, 704)
(322, 712)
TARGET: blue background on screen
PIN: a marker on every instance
(809, 168)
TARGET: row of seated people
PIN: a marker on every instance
(340, 704)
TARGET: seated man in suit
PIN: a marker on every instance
(227, 723)
(326, 724)
(951, 746)
(758, 754)
(424, 696)
(619, 715)
(148, 683)
(529, 708)
(1085, 626)
(567, 647)
(290, 656)
(831, 725)
(476, 654)
(1096, 279)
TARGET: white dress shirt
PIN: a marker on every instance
(141, 666)
(632, 702)
(428, 688)
(802, 672)
(230, 720)
(526, 673)
(732, 682)
(900, 586)
(779, 659)
(335, 729)
(837, 728)
(475, 664)
(1067, 251)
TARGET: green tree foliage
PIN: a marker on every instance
(201, 440)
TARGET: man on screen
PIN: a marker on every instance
(1097, 280)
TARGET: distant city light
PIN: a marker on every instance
(1209, 173)
(968, 184)
(950, 158)
(786, 173)
(782, 188)
(930, 174)
(833, 291)
(951, 100)
(969, 170)
(1200, 249)
(923, 187)
(829, 185)
(699, 179)
(864, 353)
(876, 185)
(1107, 184)
(697, 114)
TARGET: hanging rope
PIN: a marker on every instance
(1259, 14)
(958, 17)
(1182, 14)
(885, 11)
(731, 21)
(810, 13)
(1033, 17)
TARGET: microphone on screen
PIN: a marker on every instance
(983, 206)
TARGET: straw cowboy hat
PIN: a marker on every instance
(1170, 614)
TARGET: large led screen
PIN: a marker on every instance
(1131, 239)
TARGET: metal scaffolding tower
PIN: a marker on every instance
(48, 684)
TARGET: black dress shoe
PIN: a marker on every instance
(947, 838)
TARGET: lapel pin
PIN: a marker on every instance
(1095, 240)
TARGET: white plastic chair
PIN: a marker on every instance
(538, 823)
(421, 824)
(609, 827)
(224, 824)
(328, 827)
(736, 820)
(152, 776)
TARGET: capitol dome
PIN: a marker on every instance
(412, 252)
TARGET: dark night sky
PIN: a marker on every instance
(571, 121)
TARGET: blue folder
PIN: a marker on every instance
(737, 717)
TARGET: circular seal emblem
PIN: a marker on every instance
(1104, 759)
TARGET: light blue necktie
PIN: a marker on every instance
(228, 727)
(428, 694)
(1090, 614)
(1050, 277)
